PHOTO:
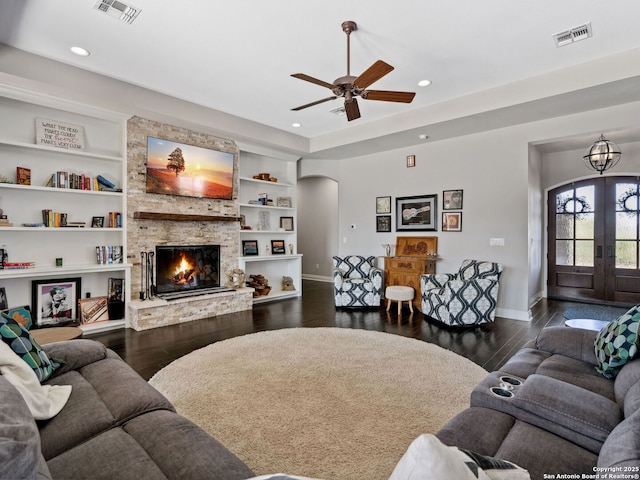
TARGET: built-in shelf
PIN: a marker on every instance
(62, 271)
(184, 217)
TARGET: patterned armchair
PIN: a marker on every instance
(357, 282)
(468, 297)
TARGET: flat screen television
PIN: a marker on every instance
(186, 170)
(185, 268)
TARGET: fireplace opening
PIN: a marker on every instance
(184, 270)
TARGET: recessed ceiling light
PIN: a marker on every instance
(424, 83)
(82, 52)
(296, 125)
(422, 136)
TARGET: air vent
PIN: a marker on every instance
(119, 10)
(574, 35)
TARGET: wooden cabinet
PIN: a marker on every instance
(406, 271)
(414, 256)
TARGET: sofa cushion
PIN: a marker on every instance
(427, 458)
(622, 448)
(618, 342)
(155, 445)
(627, 379)
(109, 392)
(20, 455)
(572, 412)
(21, 342)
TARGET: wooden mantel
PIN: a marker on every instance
(183, 217)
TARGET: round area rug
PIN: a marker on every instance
(328, 403)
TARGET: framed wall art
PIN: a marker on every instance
(416, 213)
(383, 223)
(383, 205)
(452, 222)
(249, 247)
(55, 302)
(452, 200)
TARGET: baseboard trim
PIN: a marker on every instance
(513, 314)
(317, 278)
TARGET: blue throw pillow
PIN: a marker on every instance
(26, 347)
(617, 343)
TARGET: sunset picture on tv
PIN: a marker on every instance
(188, 171)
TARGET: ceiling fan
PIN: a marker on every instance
(351, 87)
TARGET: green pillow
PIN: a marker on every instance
(26, 347)
(617, 343)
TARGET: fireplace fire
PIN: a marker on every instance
(187, 268)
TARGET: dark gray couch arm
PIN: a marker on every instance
(75, 353)
(575, 343)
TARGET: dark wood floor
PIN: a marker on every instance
(489, 346)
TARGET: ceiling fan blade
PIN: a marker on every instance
(351, 109)
(372, 74)
(388, 96)
(313, 103)
(307, 78)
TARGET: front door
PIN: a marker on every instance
(594, 240)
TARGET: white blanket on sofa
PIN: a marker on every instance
(44, 401)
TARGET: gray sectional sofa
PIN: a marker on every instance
(558, 415)
(114, 425)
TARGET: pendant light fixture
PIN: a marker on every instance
(602, 155)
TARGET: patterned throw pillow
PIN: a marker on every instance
(22, 315)
(617, 343)
(26, 347)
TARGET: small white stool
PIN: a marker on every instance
(397, 293)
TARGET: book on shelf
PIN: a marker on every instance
(5, 223)
(75, 224)
(33, 224)
(54, 219)
(106, 182)
(115, 220)
(109, 254)
(23, 176)
(18, 265)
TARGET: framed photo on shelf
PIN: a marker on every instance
(383, 205)
(452, 200)
(93, 310)
(284, 202)
(249, 247)
(55, 302)
(277, 247)
(452, 222)
(97, 222)
(383, 223)
(417, 213)
(286, 223)
(4, 304)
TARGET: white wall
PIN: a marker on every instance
(317, 226)
(503, 194)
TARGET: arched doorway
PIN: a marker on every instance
(594, 241)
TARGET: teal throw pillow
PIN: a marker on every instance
(26, 347)
(617, 343)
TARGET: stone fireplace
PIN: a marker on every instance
(154, 219)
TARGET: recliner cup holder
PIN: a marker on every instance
(501, 392)
(510, 380)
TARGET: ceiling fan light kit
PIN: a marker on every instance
(350, 87)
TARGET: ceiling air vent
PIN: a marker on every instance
(574, 35)
(119, 10)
